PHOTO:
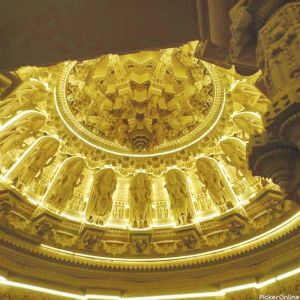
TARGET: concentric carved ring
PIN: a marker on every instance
(140, 146)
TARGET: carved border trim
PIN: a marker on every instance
(276, 233)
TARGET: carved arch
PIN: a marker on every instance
(30, 165)
(67, 178)
(26, 96)
(15, 131)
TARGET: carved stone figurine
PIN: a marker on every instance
(63, 189)
(235, 155)
(210, 175)
(32, 168)
(179, 196)
(100, 203)
(14, 136)
(140, 204)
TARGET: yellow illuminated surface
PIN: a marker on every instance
(132, 154)
(137, 176)
(222, 292)
(293, 222)
(138, 158)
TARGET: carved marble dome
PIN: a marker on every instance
(135, 158)
(148, 103)
(134, 170)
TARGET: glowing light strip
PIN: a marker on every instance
(265, 283)
(179, 296)
(39, 289)
(139, 155)
(288, 274)
(96, 297)
(222, 292)
(19, 116)
(293, 219)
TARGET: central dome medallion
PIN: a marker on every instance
(142, 104)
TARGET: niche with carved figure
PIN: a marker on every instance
(100, 203)
(179, 196)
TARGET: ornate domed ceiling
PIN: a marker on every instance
(144, 104)
(139, 156)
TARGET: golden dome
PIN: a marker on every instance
(136, 156)
(167, 173)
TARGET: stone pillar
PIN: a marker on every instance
(247, 18)
(275, 153)
(278, 56)
(290, 130)
(282, 165)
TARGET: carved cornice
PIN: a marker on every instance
(233, 227)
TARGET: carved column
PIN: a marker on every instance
(275, 153)
(279, 58)
(290, 130)
(234, 42)
(282, 164)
